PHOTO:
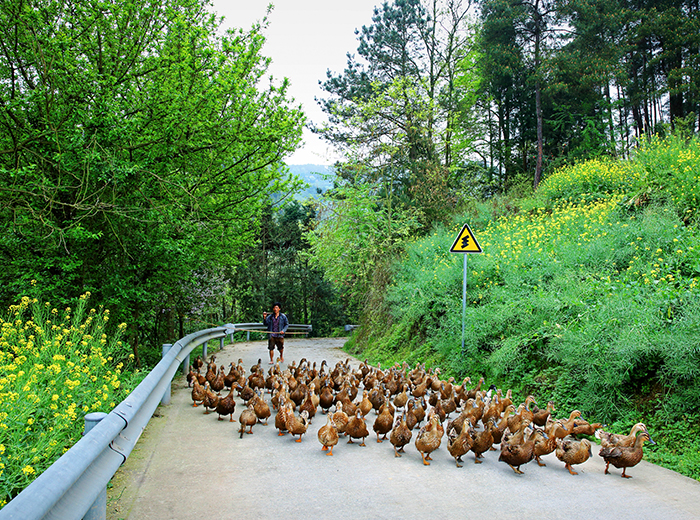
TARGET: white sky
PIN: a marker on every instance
(304, 39)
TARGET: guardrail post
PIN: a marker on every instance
(98, 509)
(247, 335)
(221, 343)
(204, 351)
(186, 365)
(166, 394)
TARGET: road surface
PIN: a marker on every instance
(188, 465)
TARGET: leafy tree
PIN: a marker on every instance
(355, 235)
(665, 38)
(278, 266)
(396, 107)
(137, 145)
(530, 28)
(503, 69)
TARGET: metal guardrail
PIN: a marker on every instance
(74, 485)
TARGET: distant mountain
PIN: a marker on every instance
(317, 176)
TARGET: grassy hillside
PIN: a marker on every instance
(586, 294)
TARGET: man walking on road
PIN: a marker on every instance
(276, 324)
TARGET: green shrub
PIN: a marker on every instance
(54, 368)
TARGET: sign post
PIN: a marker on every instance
(465, 243)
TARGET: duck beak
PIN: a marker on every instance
(651, 441)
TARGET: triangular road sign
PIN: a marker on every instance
(466, 242)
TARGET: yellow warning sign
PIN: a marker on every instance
(466, 242)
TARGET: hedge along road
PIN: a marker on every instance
(188, 465)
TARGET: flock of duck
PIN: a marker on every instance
(403, 398)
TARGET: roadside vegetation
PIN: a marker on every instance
(56, 366)
(587, 293)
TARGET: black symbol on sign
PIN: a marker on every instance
(465, 242)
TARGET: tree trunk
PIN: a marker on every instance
(538, 98)
(611, 122)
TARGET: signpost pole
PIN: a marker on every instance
(465, 243)
(464, 299)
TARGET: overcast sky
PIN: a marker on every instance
(304, 39)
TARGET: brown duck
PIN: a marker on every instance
(308, 406)
(262, 409)
(586, 428)
(217, 384)
(540, 416)
(211, 372)
(356, 428)
(458, 423)
(522, 414)
(340, 418)
(483, 441)
(419, 411)
(226, 406)
(625, 457)
(545, 446)
(326, 398)
(515, 453)
(365, 404)
(191, 376)
(411, 419)
(571, 451)
(298, 425)
(429, 437)
(328, 435)
(285, 410)
(568, 424)
(402, 397)
(231, 377)
(400, 435)
(471, 394)
(459, 444)
(502, 424)
(383, 422)
(608, 439)
(198, 394)
(210, 398)
(247, 418)
(246, 392)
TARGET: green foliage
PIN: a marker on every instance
(56, 366)
(403, 107)
(599, 81)
(277, 267)
(677, 444)
(668, 170)
(135, 167)
(354, 235)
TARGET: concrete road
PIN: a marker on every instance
(188, 465)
